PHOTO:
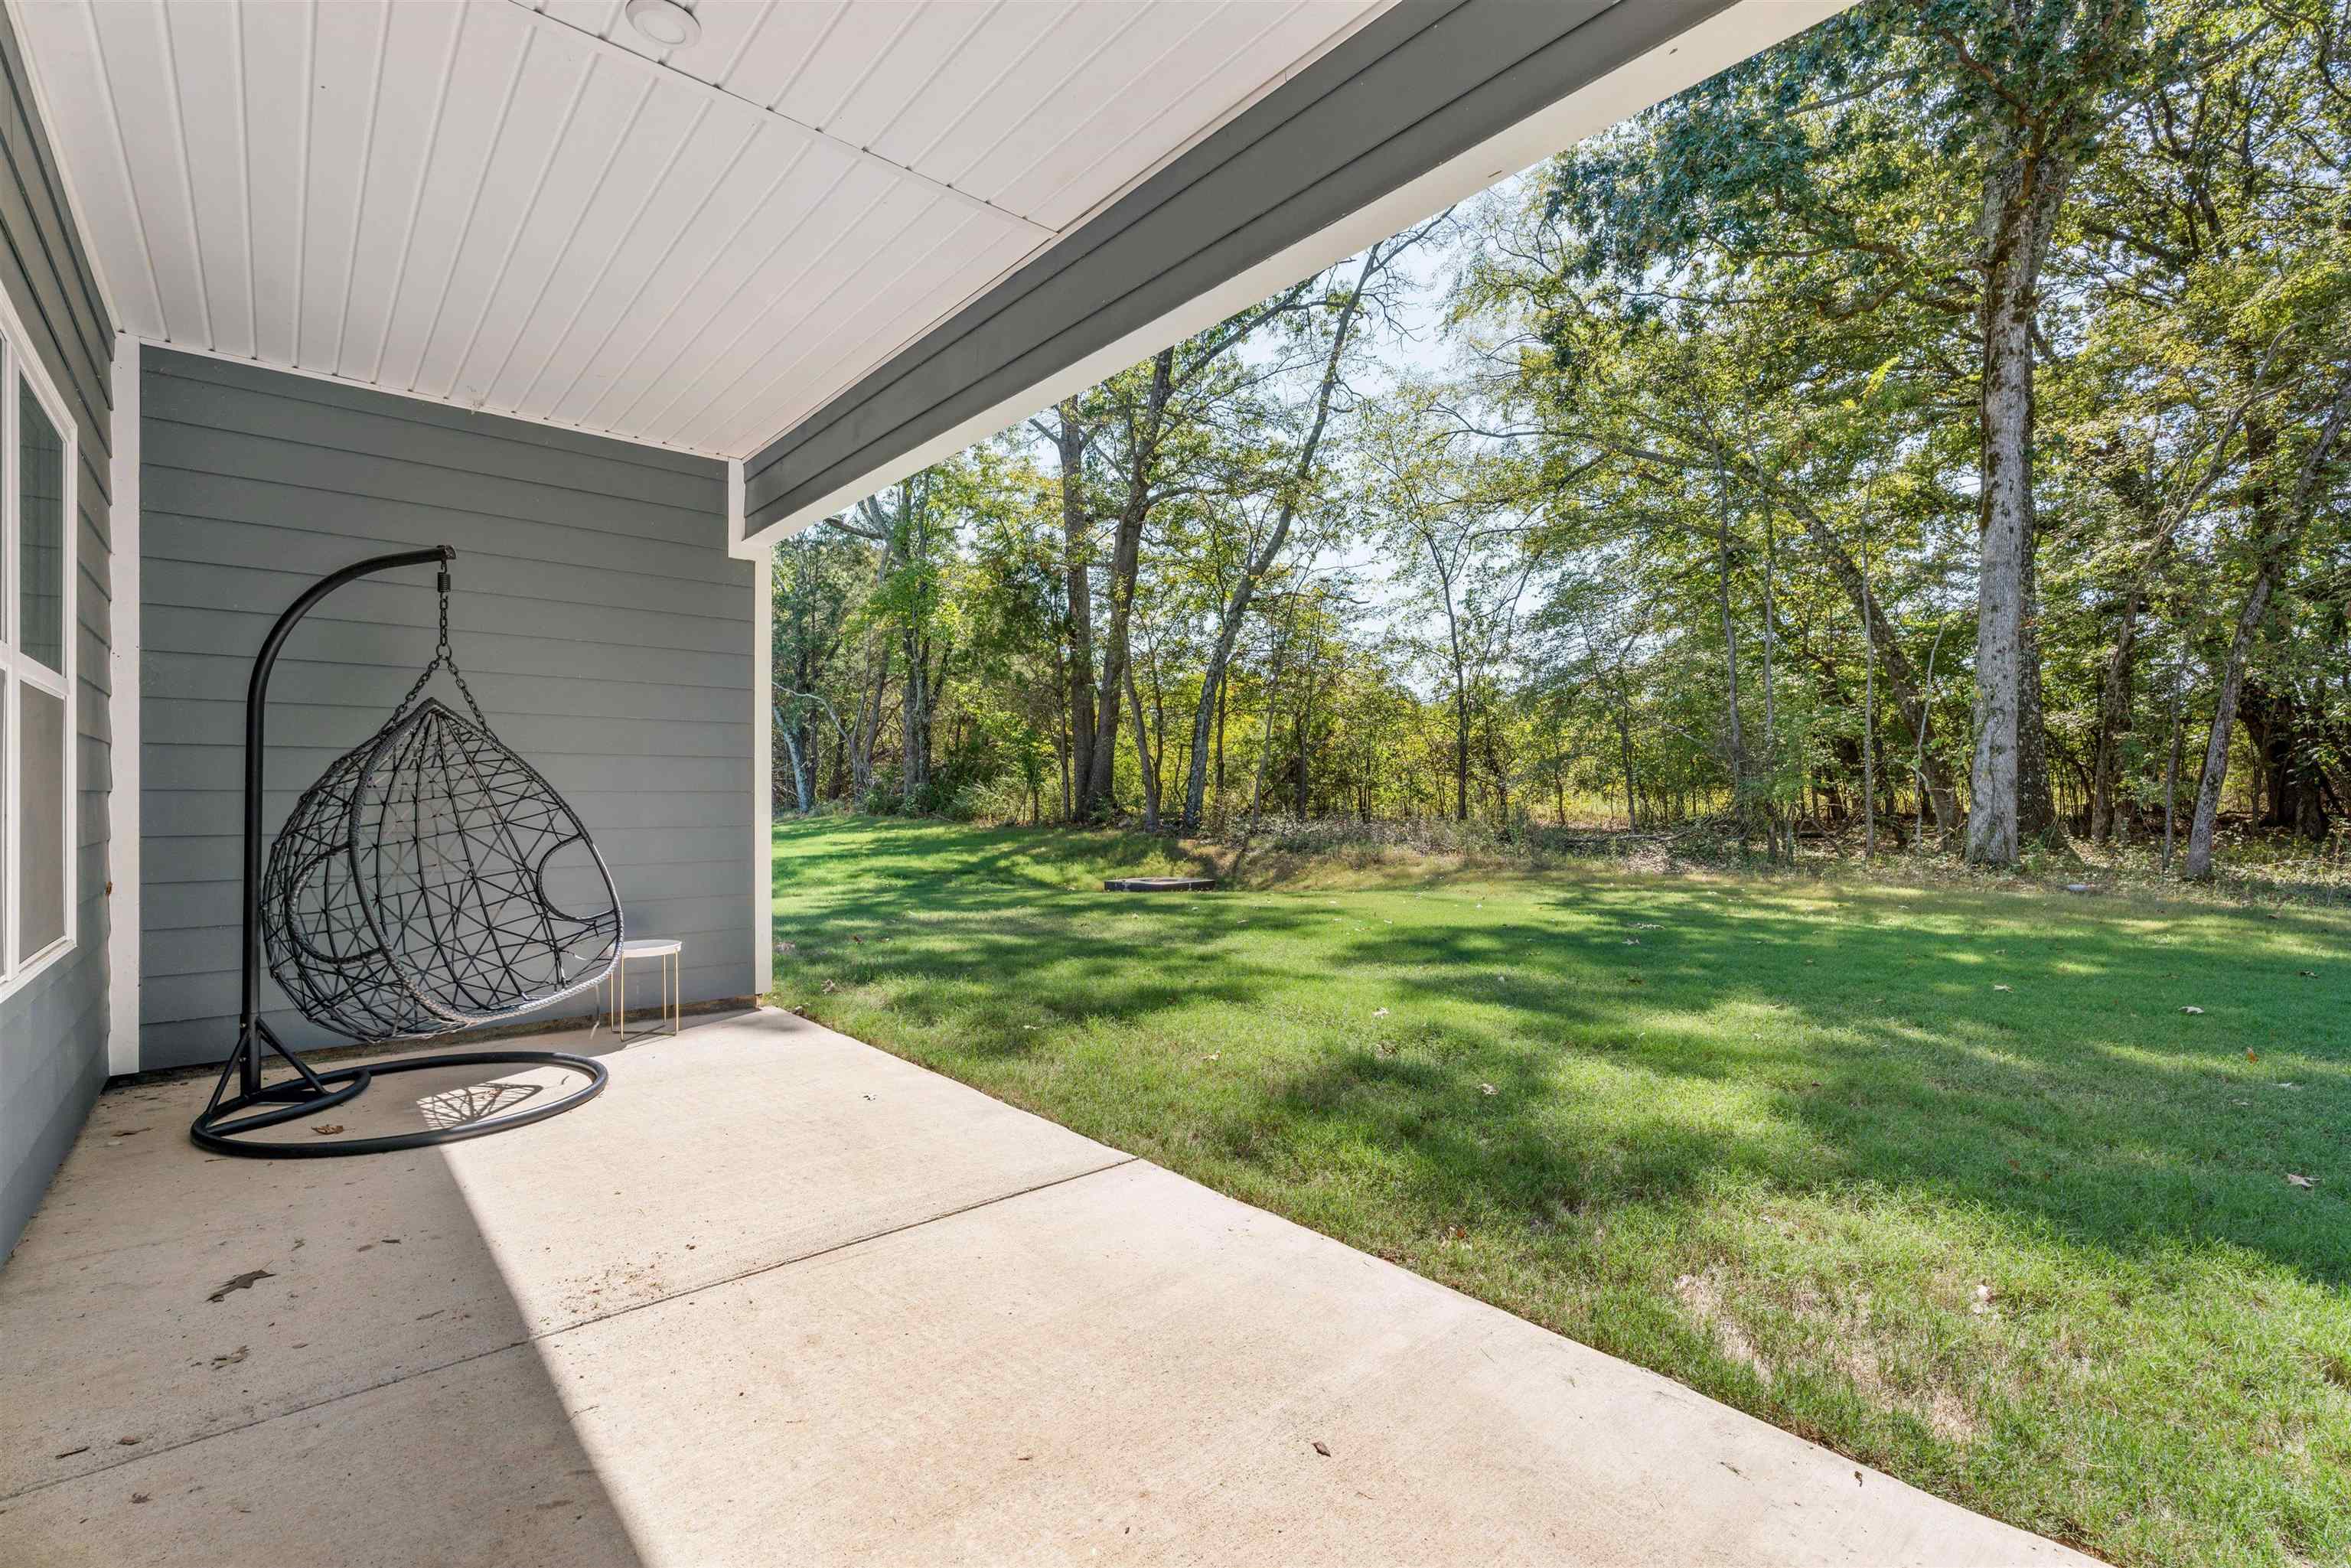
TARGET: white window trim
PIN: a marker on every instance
(17, 667)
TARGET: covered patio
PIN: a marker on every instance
(779, 1297)
(606, 298)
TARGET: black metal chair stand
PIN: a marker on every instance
(443, 921)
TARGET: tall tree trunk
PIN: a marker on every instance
(1624, 755)
(1143, 763)
(1461, 736)
(2114, 715)
(785, 728)
(1126, 562)
(2278, 534)
(1738, 802)
(1229, 625)
(1070, 441)
(1770, 712)
(2037, 809)
(2171, 777)
(1909, 694)
(2215, 775)
(2021, 203)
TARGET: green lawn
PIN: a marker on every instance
(1945, 1180)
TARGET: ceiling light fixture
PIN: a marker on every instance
(664, 23)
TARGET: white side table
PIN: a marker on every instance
(670, 953)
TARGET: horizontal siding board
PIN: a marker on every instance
(53, 1026)
(260, 456)
(251, 590)
(222, 767)
(31, 152)
(415, 411)
(373, 688)
(176, 951)
(184, 405)
(170, 633)
(533, 734)
(599, 621)
(28, 220)
(196, 905)
(213, 857)
(216, 501)
(196, 813)
(212, 999)
(555, 573)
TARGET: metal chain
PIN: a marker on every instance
(444, 658)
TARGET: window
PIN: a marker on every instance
(37, 659)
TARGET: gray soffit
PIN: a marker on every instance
(1425, 82)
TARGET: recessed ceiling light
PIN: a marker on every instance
(670, 25)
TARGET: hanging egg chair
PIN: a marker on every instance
(434, 881)
(431, 880)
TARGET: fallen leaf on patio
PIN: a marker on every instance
(128, 1442)
(326, 1129)
(1322, 1447)
(230, 1359)
(139, 1497)
(244, 1281)
(69, 1453)
(2299, 1181)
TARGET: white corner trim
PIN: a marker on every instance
(122, 659)
(1714, 45)
(763, 763)
(201, 353)
(737, 546)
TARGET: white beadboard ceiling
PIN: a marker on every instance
(523, 206)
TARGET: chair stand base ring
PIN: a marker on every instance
(218, 1128)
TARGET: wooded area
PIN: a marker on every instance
(1931, 429)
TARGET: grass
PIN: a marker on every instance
(1943, 1177)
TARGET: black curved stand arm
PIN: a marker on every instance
(225, 1116)
(257, 714)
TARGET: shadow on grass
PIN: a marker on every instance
(1631, 1041)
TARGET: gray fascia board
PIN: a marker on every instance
(1426, 81)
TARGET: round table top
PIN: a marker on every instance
(651, 947)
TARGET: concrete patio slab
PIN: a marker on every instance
(711, 1154)
(1070, 1357)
